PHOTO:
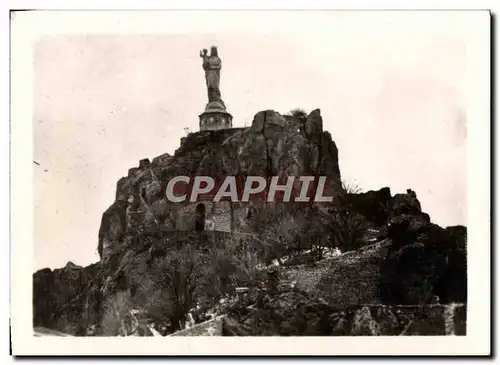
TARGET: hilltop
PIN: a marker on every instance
(165, 264)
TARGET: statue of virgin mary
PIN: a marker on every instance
(212, 66)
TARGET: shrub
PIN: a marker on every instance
(347, 229)
(351, 187)
(335, 227)
(230, 266)
(219, 273)
(297, 113)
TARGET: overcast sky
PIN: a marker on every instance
(390, 89)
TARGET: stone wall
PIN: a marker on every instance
(218, 213)
(221, 216)
(353, 320)
(352, 278)
(140, 179)
(410, 320)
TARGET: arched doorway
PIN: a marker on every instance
(199, 224)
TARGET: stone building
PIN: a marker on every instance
(142, 193)
(223, 216)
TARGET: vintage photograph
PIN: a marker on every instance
(307, 178)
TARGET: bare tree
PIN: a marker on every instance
(351, 187)
(180, 274)
(246, 261)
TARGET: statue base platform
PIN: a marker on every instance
(215, 117)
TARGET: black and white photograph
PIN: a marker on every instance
(252, 174)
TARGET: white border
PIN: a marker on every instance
(28, 25)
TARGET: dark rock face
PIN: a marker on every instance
(300, 314)
(424, 261)
(375, 206)
(57, 297)
(459, 234)
(378, 207)
(405, 204)
(113, 226)
(453, 285)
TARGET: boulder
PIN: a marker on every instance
(423, 261)
(314, 123)
(375, 206)
(405, 204)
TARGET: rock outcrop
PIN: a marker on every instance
(296, 313)
(424, 261)
(56, 296)
(144, 246)
(272, 146)
(378, 207)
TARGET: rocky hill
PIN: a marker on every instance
(159, 272)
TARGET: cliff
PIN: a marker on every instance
(156, 268)
(272, 146)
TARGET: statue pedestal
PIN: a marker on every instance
(215, 117)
